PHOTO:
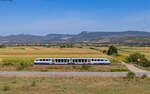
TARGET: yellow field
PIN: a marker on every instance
(30, 53)
(48, 52)
(26, 55)
(125, 50)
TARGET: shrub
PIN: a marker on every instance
(7, 64)
(143, 76)
(139, 59)
(131, 75)
(74, 67)
(145, 63)
(85, 67)
(66, 45)
(21, 66)
(2, 46)
(112, 50)
(114, 61)
(6, 88)
(118, 70)
(33, 84)
(104, 51)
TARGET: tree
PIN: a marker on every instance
(139, 59)
(112, 50)
(2, 46)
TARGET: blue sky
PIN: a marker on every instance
(41, 17)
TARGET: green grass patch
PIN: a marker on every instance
(35, 48)
(16, 61)
(19, 48)
(119, 70)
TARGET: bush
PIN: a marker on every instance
(74, 67)
(104, 51)
(2, 46)
(118, 70)
(21, 66)
(143, 76)
(112, 50)
(114, 61)
(85, 67)
(7, 64)
(131, 75)
(6, 88)
(138, 59)
(66, 45)
(33, 84)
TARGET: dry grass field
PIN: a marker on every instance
(72, 85)
(124, 50)
(12, 57)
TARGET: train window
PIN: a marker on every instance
(85, 60)
(82, 60)
(102, 59)
(93, 59)
(37, 60)
(79, 60)
(58, 60)
(62, 60)
(106, 60)
(76, 60)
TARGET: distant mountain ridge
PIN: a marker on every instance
(126, 37)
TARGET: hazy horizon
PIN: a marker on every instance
(43, 17)
(71, 33)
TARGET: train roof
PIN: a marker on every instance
(72, 58)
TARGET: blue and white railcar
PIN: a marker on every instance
(66, 61)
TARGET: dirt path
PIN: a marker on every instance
(136, 70)
(132, 68)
